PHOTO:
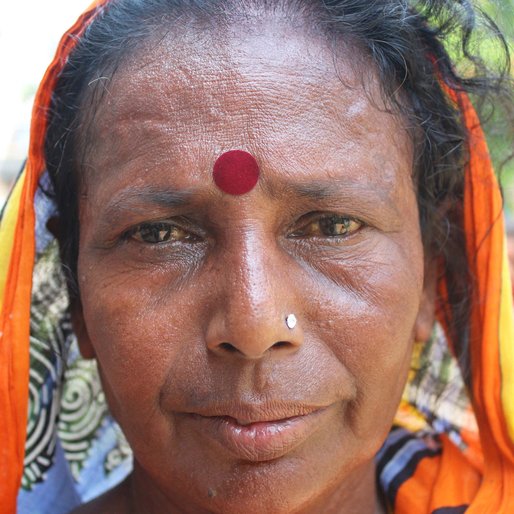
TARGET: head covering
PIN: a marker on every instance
(431, 462)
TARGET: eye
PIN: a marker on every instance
(159, 232)
(332, 225)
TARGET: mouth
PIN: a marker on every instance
(256, 438)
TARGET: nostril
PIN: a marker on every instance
(228, 347)
(281, 344)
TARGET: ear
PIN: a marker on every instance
(426, 314)
(79, 327)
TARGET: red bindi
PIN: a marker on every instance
(236, 172)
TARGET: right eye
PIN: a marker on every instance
(159, 232)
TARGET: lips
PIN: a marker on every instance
(256, 438)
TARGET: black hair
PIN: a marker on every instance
(405, 41)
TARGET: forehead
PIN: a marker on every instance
(274, 90)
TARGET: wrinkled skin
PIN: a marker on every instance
(195, 324)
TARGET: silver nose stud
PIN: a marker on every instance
(291, 321)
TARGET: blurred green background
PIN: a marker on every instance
(498, 119)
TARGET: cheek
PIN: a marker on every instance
(139, 333)
(367, 318)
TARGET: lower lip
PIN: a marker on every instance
(260, 441)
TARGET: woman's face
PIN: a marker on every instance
(185, 289)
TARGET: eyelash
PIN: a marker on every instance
(160, 232)
(159, 229)
(321, 222)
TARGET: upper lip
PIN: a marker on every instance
(246, 414)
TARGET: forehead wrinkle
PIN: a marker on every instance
(202, 89)
(212, 103)
(130, 139)
(256, 123)
(202, 81)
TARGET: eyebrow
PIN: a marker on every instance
(140, 198)
(315, 190)
(336, 190)
(129, 198)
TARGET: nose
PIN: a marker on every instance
(256, 312)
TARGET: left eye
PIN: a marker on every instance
(328, 226)
(159, 232)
